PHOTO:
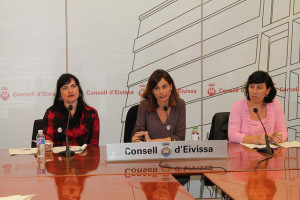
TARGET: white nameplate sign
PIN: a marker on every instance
(166, 150)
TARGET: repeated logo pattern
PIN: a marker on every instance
(4, 94)
(211, 90)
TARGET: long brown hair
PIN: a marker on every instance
(155, 77)
(58, 103)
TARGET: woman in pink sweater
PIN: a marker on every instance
(244, 125)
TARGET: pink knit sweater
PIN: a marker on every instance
(240, 123)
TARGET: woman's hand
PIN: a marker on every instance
(136, 139)
(261, 139)
(276, 137)
(255, 139)
(138, 135)
(48, 147)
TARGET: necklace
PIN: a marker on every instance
(262, 111)
(259, 108)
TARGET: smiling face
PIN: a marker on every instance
(70, 92)
(162, 92)
(257, 92)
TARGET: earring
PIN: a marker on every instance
(59, 98)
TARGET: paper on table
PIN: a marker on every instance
(18, 197)
(289, 144)
(22, 151)
(258, 146)
(76, 149)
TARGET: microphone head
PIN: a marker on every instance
(165, 108)
(70, 107)
(255, 110)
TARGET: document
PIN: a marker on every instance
(76, 149)
(18, 197)
(290, 144)
(22, 151)
(258, 146)
(283, 144)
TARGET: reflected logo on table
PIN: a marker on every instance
(166, 151)
(7, 168)
(4, 94)
(211, 90)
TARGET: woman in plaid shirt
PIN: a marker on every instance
(84, 124)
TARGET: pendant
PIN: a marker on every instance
(168, 127)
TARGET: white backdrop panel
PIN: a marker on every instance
(115, 45)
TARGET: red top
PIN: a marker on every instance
(86, 133)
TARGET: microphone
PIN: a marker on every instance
(266, 149)
(169, 125)
(67, 152)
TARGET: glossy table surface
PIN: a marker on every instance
(258, 185)
(95, 187)
(92, 162)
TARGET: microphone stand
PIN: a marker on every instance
(266, 149)
(67, 152)
(171, 135)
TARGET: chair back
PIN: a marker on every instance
(130, 122)
(37, 125)
(218, 131)
(219, 126)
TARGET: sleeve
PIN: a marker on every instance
(96, 129)
(235, 123)
(280, 124)
(49, 125)
(179, 133)
(140, 124)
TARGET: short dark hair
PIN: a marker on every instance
(155, 77)
(59, 104)
(261, 77)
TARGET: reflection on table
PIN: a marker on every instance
(242, 158)
(71, 187)
(96, 187)
(259, 185)
(92, 162)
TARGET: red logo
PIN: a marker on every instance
(211, 90)
(4, 94)
(142, 89)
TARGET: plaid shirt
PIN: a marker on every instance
(86, 133)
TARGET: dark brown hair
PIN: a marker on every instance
(59, 104)
(155, 77)
(261, 77)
